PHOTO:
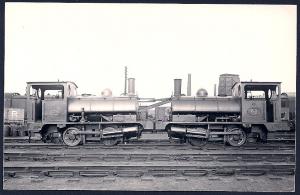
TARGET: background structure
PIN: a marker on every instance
(91, 43)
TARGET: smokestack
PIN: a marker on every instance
(131, 86)
(215, 89)
(177, 87)
(189, 85)
(125, 87)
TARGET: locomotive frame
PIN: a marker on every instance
(232, 119)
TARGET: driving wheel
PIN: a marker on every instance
(111, 141)
(197, 141)
(71, 136)
(236, 139)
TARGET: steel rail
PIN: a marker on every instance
(144, 170)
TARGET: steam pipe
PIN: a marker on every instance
(177, 87)
(131, 86)
(189, 85)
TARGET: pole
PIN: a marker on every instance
(189, 85)
(125, 87)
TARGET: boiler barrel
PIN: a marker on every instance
(75, 105)
(187, 105)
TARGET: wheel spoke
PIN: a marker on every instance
(197, 141)
(236, 139)
(70, 136)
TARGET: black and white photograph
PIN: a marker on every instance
(149, 97)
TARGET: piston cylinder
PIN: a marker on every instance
(177, 132)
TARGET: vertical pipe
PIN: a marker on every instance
(125, 87)
(131, 86)
(177, 87)
(189, 85)
(215, 89)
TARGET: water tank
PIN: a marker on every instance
(226, 82)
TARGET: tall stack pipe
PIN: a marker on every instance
(177, 87)
(131, 86)
(189, 85)
(215, 89)
(125, 87)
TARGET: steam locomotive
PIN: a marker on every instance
(241, 111)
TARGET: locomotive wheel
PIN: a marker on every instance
(111, 142)
(197, 141)
(52, 135)
(238, 139)
(70, 136)
(53, 139)
(6, 131)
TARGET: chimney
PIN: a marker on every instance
(125, 87)
(189, 85)
(215, 89)
(131, 86)
(177, 87)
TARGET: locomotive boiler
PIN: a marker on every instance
(110, 108)
(206, 105)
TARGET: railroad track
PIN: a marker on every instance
(139, 169)
(155, 158)
(277, 137)
(86, 161)
(149, 146)
(148, 156)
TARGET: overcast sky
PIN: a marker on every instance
(91, 43)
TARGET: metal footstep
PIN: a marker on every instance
(226, 159)
(223, 172)
(59, 173)
(18, 158)
(40, 158)
(129, 173)
(251, 159)
(94, 173)
(182, 157)
(251, 172)
(65, 158)
(163, 172)
(138, 157)
(160, 157)
(114, 157)
(203, 158)
(276, 159)
(283, 172)
(89, 158)
(194, 173)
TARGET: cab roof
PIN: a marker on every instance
(52, 83)
(262, 83)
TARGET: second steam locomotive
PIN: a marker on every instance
(241, 111)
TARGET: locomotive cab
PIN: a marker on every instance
(261, 104)
(260, 101)
(47, 102)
